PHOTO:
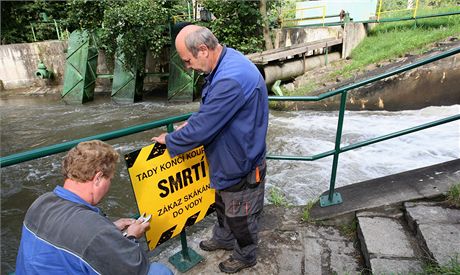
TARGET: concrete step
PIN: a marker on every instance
(387, 245)
(437, 228)
(403, 241)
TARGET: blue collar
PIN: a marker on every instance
(211, 75)
(70, 196)
(208, 79)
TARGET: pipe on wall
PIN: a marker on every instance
(290, 69)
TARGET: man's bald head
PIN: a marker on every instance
(192, 36)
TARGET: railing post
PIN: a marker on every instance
(334, 197)
(187, 257)
(324, 14)
(33, 32)
(416, 9)
(379, 10)
(325, 56)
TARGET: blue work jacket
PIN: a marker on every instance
(63, 234)
(231, 122)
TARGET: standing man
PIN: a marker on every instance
(232, 125)
(65, 233)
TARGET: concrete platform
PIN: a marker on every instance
(389, 245)
(287, 246)
(424, 183)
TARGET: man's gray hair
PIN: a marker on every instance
(198, 37)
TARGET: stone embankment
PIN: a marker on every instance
(391, 225)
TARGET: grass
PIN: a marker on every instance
(451, 268)
(349, 229)
(276, 197)
(393, 40)
(306, 89)
(307, 209)
(453, 195)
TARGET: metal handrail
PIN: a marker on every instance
(379, 11)
(322, 16)
(332, 197)
(62, 147)
(381, 20)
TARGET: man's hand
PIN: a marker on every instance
(121, 224)
(137, 228)
(160, 139)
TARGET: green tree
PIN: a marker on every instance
(238, 24)
(131, 27)
(17, 17)
(244, 25)
(85, 14)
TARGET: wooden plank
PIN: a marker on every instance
(290, 47)
(295, 51)
(283, 53)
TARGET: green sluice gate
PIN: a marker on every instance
(127, 84)
(80, 69)
(181, 81)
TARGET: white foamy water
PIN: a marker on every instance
(307, 133)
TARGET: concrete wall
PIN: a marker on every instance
(18, 64)
(290, 36)
(353, 34)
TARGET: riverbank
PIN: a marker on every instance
(353, 241)
(434, 84)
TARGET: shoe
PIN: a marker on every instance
(212, 245)
(232, 265)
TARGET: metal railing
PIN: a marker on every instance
(299, 15)
(381, 20)
(332, 197)
(413, 10)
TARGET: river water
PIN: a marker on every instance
(32, 122)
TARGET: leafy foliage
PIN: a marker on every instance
(85, 14)
(17, 16)
(238, 24)
(134, 26)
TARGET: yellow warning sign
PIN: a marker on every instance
(175, 191)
